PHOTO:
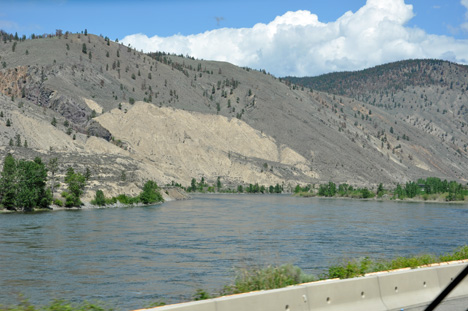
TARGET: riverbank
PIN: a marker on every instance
(168, 195)
(385, 198)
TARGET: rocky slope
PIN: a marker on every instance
(130, 117)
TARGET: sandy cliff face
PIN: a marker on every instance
(187, 145)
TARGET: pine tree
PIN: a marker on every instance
(193, 184)
(18, 140)
(8, 183)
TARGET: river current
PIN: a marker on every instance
(130, 257)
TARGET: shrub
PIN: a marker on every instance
(124, 199)
(150, 193)
(366, 194)
(201, 294)
(99, 198)
(459, 254)
(270, 277)
(110, 201)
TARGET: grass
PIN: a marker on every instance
(354, 268)
(270, 277)
(56, 305)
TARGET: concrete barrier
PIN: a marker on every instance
(378, 292)
(284, 299)
(351, 294)
(408, 288)
(204, 305)
(447, 273)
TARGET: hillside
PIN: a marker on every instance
(429, 95)
(123, 113)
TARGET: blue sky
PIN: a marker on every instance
(117, 19)
(183, 18)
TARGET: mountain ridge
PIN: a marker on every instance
(85, 81)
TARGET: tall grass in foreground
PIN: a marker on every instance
(354, 268)
(56, 305)
(271, 277)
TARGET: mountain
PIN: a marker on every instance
(129, 117)
(430, 96)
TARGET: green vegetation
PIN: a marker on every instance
(271, 277)
(23, 184)
(217, 186)
(56, 305)
(354, 268)
(150, 194)
(76, 183)
(99, 198)
(431, 188)
(327, 190)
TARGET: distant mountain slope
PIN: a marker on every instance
(429, 95)
(391, 77)
(213, 119)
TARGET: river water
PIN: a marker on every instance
(130, 257)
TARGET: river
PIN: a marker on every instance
(130, 257)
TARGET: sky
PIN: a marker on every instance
(284, 37)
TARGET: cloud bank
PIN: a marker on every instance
(298, 44)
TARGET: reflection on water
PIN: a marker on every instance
(133, 256)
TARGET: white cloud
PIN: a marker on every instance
(464, 26)
(297, 43)
(465, 4)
